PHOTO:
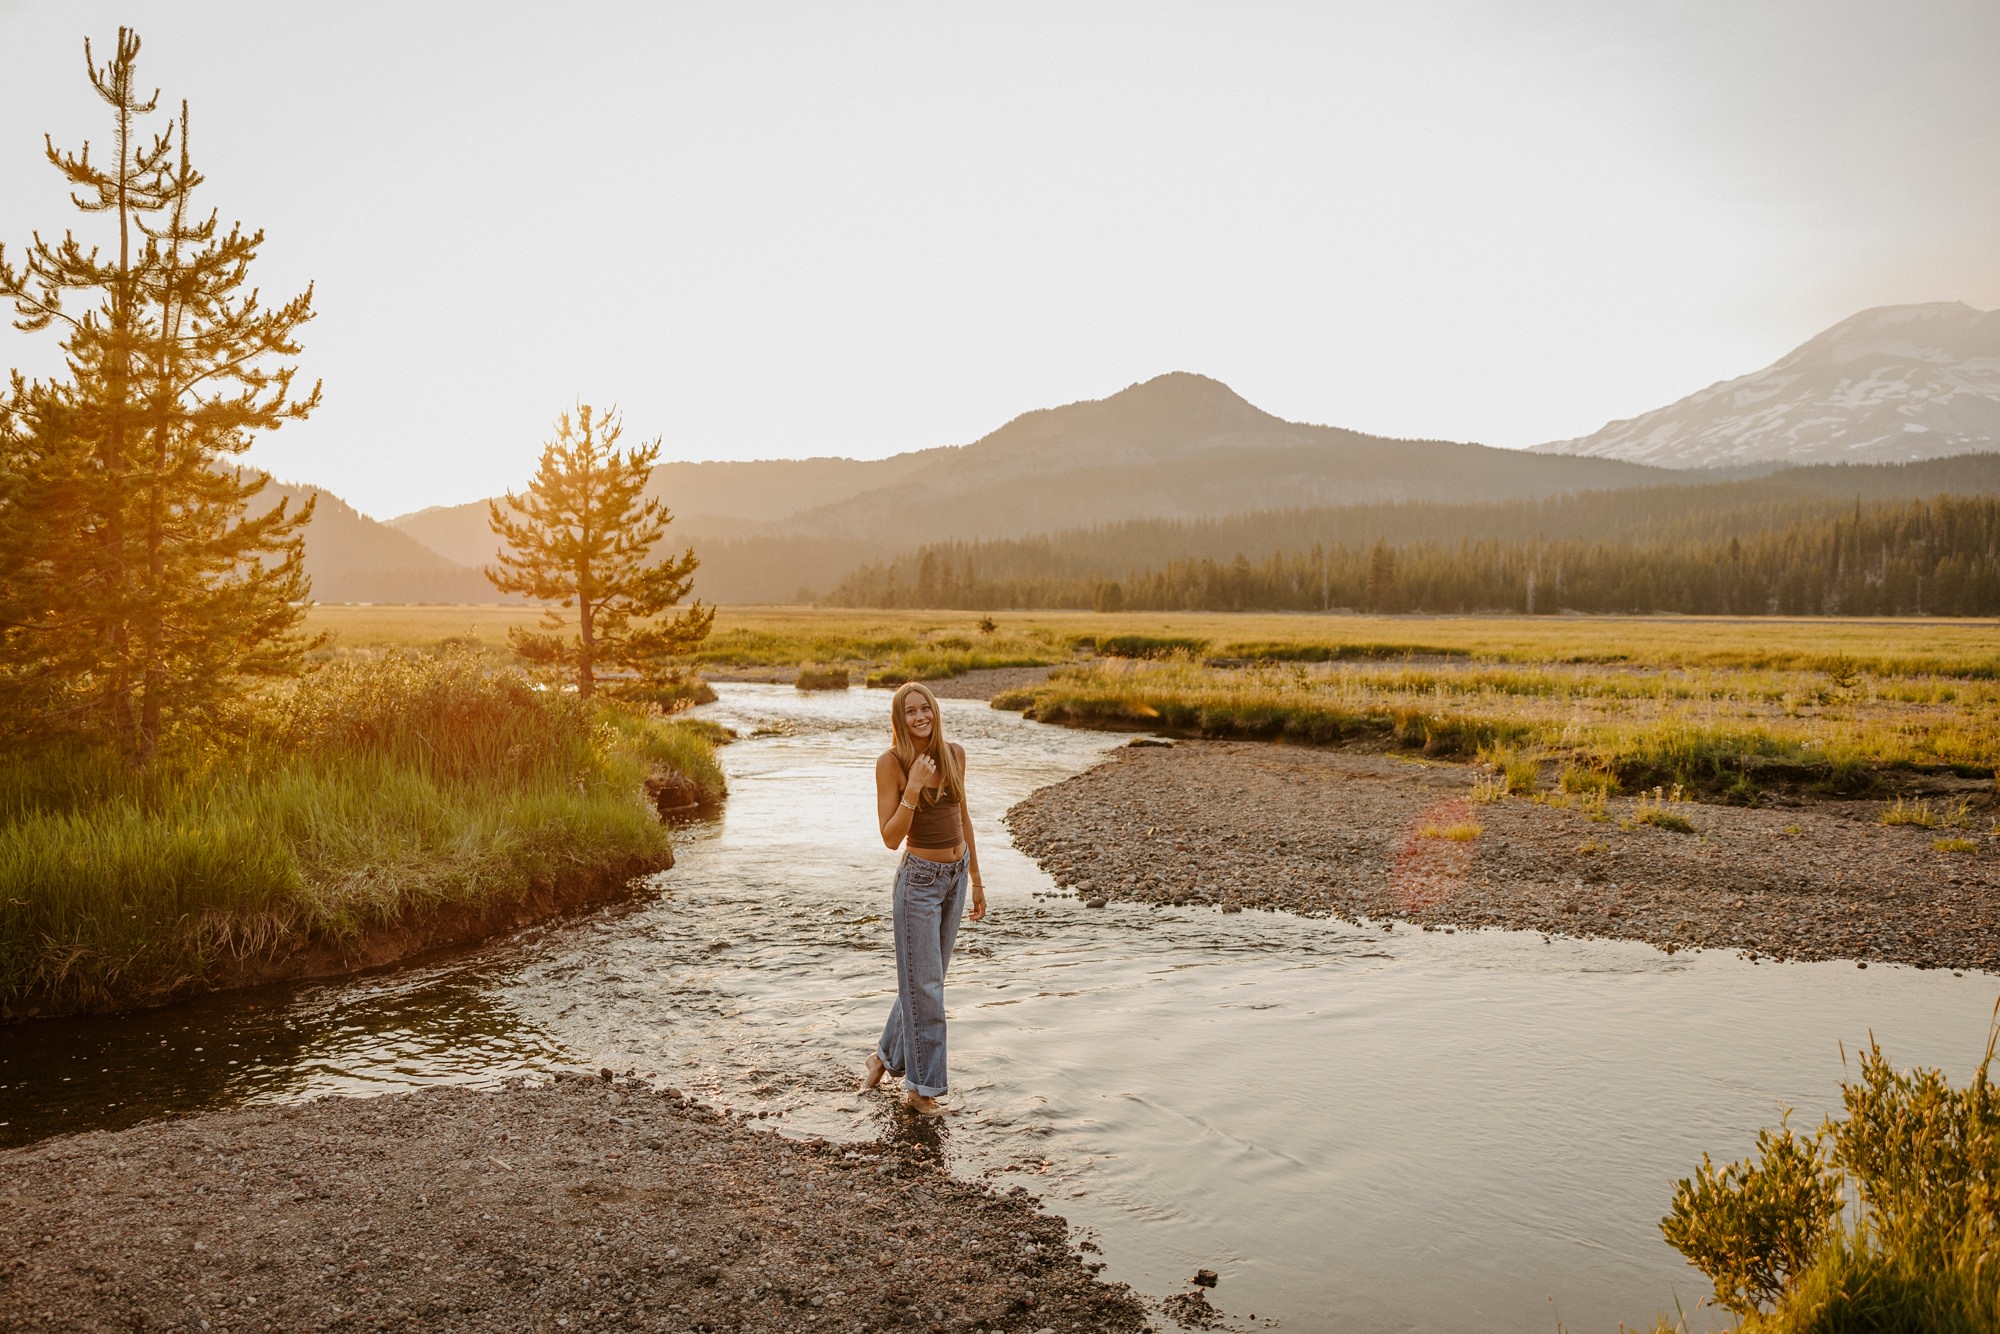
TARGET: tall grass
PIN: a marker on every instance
(369, 795)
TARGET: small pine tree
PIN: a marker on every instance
(140, 592)
(582, 537)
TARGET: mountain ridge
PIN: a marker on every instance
(1887, 384)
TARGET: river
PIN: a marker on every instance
(1360, 1129)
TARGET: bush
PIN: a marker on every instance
(1756, 1225)
(1920, 1162)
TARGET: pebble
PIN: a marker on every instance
(1335, 833)
(383, 1213)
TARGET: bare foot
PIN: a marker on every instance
(922, 1105)
(875, 1072)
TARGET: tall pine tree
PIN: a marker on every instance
(141, 593)
(582, 537)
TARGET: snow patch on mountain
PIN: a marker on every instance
(1888, 385)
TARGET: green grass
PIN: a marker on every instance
(1835, 653)
(1721, 734)
(373, 793)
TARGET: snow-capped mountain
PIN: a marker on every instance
(1885, 386)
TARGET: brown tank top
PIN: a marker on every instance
(936, 823)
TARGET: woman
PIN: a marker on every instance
(920, 799)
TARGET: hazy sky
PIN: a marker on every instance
(773, 230)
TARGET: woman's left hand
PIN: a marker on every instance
(978, 908)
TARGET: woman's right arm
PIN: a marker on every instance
(896, 796)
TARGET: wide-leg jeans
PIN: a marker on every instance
(928, 900)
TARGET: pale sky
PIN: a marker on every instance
(778, 230)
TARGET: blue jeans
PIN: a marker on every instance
(929, 897)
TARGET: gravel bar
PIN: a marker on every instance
(1340, 834)
(584, 1204)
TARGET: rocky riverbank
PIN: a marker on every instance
(584, 1204)
(1368, 836)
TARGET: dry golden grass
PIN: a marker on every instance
(1833, 647)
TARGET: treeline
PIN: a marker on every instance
(1939, 557)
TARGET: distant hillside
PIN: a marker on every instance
(1184, 446)
(1889, 384)
(352, 558)
(1894, 539)
(1177, 446)
(713, 500)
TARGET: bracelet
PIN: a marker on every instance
(906, 805)
(979, 884)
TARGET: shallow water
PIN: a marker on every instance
(1361, 1130)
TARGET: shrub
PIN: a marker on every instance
(1920, 1162)
(1456, 833)
(1954, 845)
(1755, 1225)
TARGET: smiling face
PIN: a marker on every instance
(918, 717)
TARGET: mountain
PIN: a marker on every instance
(711, 500)
(1182, 446)
(1888, 385)
(1179, 446)
(353, 558)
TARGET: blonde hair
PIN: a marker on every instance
(940, 751)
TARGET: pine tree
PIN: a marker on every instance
(146, 592)
(582, 537)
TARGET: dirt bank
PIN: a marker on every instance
(582, 1205)
(1333, 833)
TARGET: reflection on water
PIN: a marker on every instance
(1362, 1130)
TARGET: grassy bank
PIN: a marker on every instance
(1717, 731)
(380, 796)
(1725, 706)
(788, 636)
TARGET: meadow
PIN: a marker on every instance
(1727, 707)
(382, 802)
(747, 637)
